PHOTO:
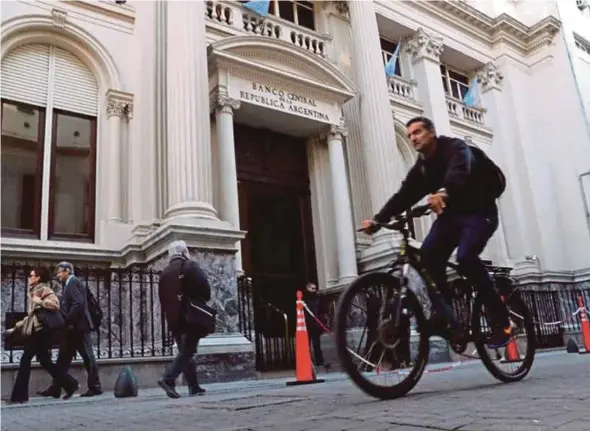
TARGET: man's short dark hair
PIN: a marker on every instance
(426, 122)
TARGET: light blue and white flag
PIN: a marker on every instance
(470, 98)
(259, 6)
(390, 66)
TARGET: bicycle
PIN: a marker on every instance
(390, 324)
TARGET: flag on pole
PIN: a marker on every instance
(390, 66)
(470, 98)
(259, 6)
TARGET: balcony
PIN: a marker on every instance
(235, 18)
(468, 115)
(402, 92)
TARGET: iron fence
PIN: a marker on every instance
(132, 325)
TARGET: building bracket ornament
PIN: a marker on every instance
(424, 45)
(59, 17)
(119, 104)
(490, 77)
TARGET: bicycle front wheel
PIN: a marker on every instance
(380, 332)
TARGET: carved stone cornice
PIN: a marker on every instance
(490, 77)
(59, 17)
(119, 104)
(424, 45)
(501, 29)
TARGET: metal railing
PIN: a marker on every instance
(132, 325)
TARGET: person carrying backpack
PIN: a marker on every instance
(462, 185)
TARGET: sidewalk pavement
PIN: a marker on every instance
(555, 396)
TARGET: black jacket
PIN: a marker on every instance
(195, 284)
(73, 306)
(452, 167)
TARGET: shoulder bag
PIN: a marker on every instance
(197, 315)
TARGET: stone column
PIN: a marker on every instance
(119, 106)
(190, 190)
(229, 209)
(342, 209)
(512, 230)
(383, 167)
(425, 51)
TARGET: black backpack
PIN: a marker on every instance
(94, 310)
(491, 173)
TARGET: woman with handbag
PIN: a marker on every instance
(37, 330)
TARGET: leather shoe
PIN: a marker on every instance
(90, 393)
(70, 391)
(169, 389)
(50, 392)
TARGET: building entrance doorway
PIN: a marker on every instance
(278, 251)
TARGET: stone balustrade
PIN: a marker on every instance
(238, 18)
(401, 88)
(460, 111)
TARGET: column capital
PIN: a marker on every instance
(490, 77)
(219, 99)
(424, 45)
(342, 7)
(119, 104)
(338, 131)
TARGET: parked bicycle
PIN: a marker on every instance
(395, 318)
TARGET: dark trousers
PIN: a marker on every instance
(469, 233)
(184, 362)
(315, 341)
(76, 341)
(39, 344)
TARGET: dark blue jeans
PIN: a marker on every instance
(184, 362)
(469, 233)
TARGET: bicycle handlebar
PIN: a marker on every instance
(402, 219)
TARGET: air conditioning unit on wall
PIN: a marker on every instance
(582, 4)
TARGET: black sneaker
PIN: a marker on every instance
(196, 390)
(168, 388)
(500, 337)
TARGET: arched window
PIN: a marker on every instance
(49, 111)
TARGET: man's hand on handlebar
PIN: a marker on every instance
(437, 201)
(369, 227)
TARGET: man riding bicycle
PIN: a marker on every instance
(462, 192)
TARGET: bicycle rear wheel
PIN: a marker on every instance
(514, 361)
(387, 347)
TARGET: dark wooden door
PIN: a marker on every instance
(278, 251)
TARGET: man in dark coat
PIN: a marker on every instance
(314, 330)
(182, 276)
(77, 335)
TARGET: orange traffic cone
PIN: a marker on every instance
(585, 326)
(303, 366)
(511, 351)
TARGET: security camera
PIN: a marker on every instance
(120, 1)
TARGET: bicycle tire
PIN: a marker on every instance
(480, 345)
(402, 388)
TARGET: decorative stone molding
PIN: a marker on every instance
(59, 17)
(424, 45)
(224, 100)
(341, 7)
(501, 29)
(490, 77)
(338, 130)
(119, 104)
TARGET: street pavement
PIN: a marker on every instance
(555, 396)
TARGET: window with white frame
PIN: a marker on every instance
(455, 83)
(387, 49)
(298, 12)
(48, 150)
